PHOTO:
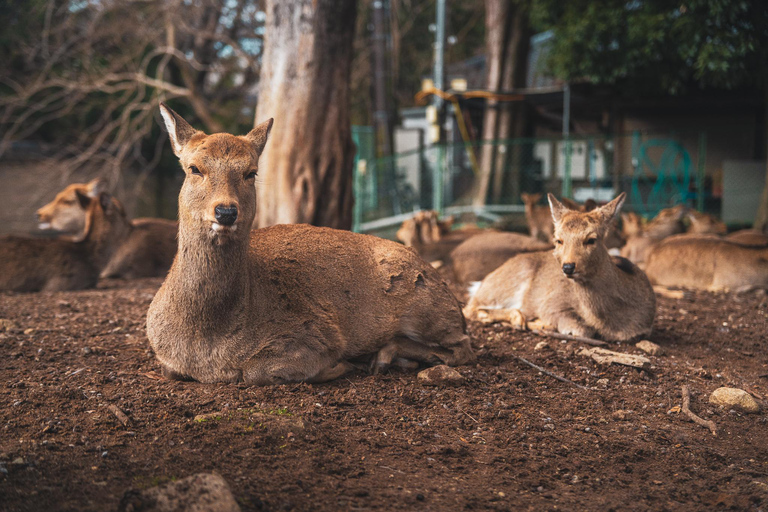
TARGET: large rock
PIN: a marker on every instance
(734, 398)
(440, 375)
(204, 492)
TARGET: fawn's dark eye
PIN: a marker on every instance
(559, 242)
(590, 241)
(250, 175)
(194, 170)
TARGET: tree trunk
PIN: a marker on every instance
(507, 41)
(306, 169)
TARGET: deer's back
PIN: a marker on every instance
(359, 283)
(707, 263)
(481, 254)
(31, 264)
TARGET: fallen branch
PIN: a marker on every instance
(124, 419)
(588, 341)
(553, 375)
(604, 356)
(669, 294)
(696, 419)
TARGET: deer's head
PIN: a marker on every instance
(579, 246)
(218, 197)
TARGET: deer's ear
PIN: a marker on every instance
(259, 135)
(610, 210)
(556, 207)
(96, 187)
(83, 199)
(179, 130)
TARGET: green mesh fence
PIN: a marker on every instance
(487, 178)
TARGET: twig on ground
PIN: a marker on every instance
(124, 419)
(696, 419)
(469, 416)
(553, 375)
(552, 334)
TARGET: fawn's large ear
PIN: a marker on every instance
(557, 208)
(179, 130)
(610, 210)
(259, 135)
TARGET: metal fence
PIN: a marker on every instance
(656, 172)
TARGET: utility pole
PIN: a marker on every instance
(439, 168)
(380, 116)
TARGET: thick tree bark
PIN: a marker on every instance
(306, 170)
(507, 41)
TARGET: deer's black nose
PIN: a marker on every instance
(569, 268)
(226, 215)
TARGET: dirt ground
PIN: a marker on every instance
(509, 438)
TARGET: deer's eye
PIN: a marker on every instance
(195, 171)
(250, 175)
(590, 241)
(559, 242)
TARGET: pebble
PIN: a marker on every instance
(603, 382)
(734, 398)
(203, 492)
(650, 348)
(440, 375)
(542, 345)
(8, 325)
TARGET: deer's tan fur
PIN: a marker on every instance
(705, 224)
(481, 254)
(707, 262)
(146, 250)
(34, 264)
(605, 297)
(668, 222)
(423, 228)
(751, 237)
(286, 303)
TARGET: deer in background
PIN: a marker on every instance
(35, 264)
(291, 302)
(538, 218)
(581, 291)
(706, 262)
(146, 250)
(705, 224)
(668, 222)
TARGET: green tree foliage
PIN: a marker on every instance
(658, 46)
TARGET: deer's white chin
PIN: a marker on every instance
(216, 228)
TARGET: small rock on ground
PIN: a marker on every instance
(542, 345)
(734, 398)
(440, 375)
(650, 348)
(204, 492)
(8, 325)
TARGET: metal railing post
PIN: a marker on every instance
(701, 171)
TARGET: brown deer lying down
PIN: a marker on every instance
(34, 264)
(668, 222)
(147, 249)
(481, 254)
(286, 303)
(423, 228)
(581, 291)
(707, 263)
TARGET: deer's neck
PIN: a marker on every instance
(102, 241)
(209, 281)
(603, 283)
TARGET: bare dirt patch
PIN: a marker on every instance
(507, 438)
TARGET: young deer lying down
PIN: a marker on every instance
(34, 264)
(581, 291)
(287, 303)
(147, 249)
(706, 262)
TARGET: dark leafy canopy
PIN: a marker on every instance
(662, 46)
